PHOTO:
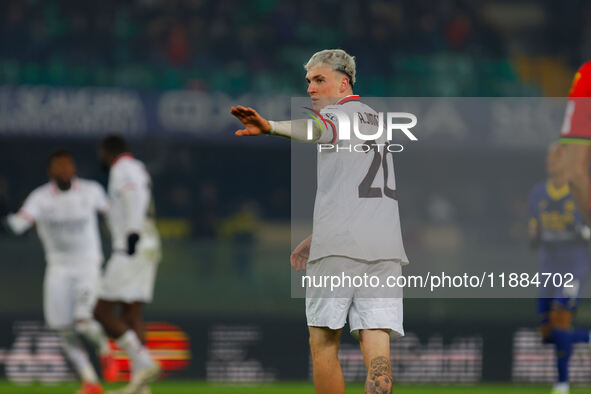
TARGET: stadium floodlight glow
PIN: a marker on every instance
(344, 124)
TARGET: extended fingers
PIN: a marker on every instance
(239, 113)
(240, 110)
(242, 132)
(245, 132)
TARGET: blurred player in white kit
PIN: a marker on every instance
(130, 273)
(64, 211)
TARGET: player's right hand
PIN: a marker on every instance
(254, 124)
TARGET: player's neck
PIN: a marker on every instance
(558, 181)
(346, 94)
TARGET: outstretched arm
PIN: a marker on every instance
(25, 218)
(255, 124)
(17, 223)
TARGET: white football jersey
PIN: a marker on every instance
(356, 211)
(66, 221)
(131, 204)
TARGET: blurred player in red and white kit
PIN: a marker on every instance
(130, 273)
(64, 211)
(576, 135)
(356, 224)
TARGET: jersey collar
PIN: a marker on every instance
(122, 156)
(346, 99)
(557, 193)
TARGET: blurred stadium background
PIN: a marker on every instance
(164, 73)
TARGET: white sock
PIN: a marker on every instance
(147, 361)
(138, 353)
(562, 387)
(77, 355)
(93, 331)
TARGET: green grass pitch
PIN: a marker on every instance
(190, 387)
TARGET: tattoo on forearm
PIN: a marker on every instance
(379, 376)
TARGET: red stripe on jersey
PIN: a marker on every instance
(344, 100)
(334, 131)
(320, 116)
(27, 216)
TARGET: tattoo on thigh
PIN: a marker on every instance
(379, 376)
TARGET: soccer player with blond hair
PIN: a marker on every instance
(356, 224)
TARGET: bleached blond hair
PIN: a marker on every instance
(338, 59)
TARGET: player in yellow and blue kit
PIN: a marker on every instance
(557, 228)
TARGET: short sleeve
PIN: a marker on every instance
(101, 201)
(330, 123)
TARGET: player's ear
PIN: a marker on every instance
(344, 84)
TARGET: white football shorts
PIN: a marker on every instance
(367, 306)
(70, 293)
(129, 278)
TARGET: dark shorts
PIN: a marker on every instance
(568, 260)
